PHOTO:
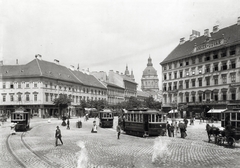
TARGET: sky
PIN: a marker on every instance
(103, 35)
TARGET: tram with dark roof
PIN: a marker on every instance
(106, 118)
(144, 122)
(21, 119)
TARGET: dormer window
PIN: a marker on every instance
(232, 50)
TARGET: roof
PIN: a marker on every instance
(143, 111)
(106, 111)
(126, 78)
(113, 85)
(41, 68)
(230, 34)
(216, 110)
(143, 94)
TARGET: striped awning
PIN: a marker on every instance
(216, 110)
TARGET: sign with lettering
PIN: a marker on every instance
(210, 44)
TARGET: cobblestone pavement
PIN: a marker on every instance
(82, 148)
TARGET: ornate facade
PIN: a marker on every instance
(150, 78)
(203, 73)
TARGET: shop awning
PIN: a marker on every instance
(173, 111)
(216, 110)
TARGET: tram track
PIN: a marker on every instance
(24, 155)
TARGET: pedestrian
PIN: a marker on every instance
(58, 135)
(168, 129)
(182, 127)
(185, 122)
(172, 129)
(176, 128)
(118, 131)
(94, 128)
(68, 124)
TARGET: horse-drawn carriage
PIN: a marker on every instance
(229, 131)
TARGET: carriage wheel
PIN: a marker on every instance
(231, 141)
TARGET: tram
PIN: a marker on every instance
(106, 118)
(144, 122)
(21, 119)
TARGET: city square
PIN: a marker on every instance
(81, 148)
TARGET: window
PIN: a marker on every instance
(193, 71)
(4, 85)
(233, 64)
(200, 81)
(208, 81)
(233, 95)
(164, 68)
(200, 98)
(180, 64)
(207, 68)
(170, 66)
(215, 80)
(19, 97)
(224, 53)
(224, 66)
(19, 85)
(200, 70)
(35, 85)
(175, 65)
(193, 99)
(216, 97)
(224, 78)
(207, 58)
(4, 98)
(232, 50)
(46, 85)
(27, 85)
(187, 84)
(215, 67)
(11, 98)
(215, 55)
(193, 60)
(187, 63)
(224, 96)
(35, 97)
(193, 82)
(165, 87)
(187, 73)
(200, 58)
(11, 86)
(181, 74)
(233, 77)
(46, 96)
(170, 76)
(27, 97)
(175, 75)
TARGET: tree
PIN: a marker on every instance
(152, 104)
(133, 103)
(62, 102)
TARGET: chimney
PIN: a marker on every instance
(117, 72)
(191, 37)
(16, 61)
(72, 67)
(215, 29)
(206, 32)
(38, 56)
(196, 33)
(238, 21)
(56, 61)
(182, 40)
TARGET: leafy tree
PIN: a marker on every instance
(152, 104)
(133, 103)
(62, 102)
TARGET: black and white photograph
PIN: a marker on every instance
(120, 83)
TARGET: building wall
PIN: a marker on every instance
(205, 81)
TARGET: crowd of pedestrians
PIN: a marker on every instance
(175, 128)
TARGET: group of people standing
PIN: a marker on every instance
(174, 128)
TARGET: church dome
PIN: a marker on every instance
(149, 70)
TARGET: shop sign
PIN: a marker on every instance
(208, 45)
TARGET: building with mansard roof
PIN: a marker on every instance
(203, 73)
(36, 84)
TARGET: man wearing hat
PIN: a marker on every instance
(58, 136)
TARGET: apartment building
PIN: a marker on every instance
(36, 84)
(203, 73)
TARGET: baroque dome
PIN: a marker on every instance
(149, 70)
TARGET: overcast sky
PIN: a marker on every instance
(105, 35)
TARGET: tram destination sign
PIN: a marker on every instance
(210, 44)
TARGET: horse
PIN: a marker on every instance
(214, 131)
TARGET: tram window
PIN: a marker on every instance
(104, 115)
(153, 117)
(238, 116)
(233, 116)
(141, 118)
(134, 115)
(158, 118)
(238, 124)
(138, 119)
(233, 124)
(222, 116)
